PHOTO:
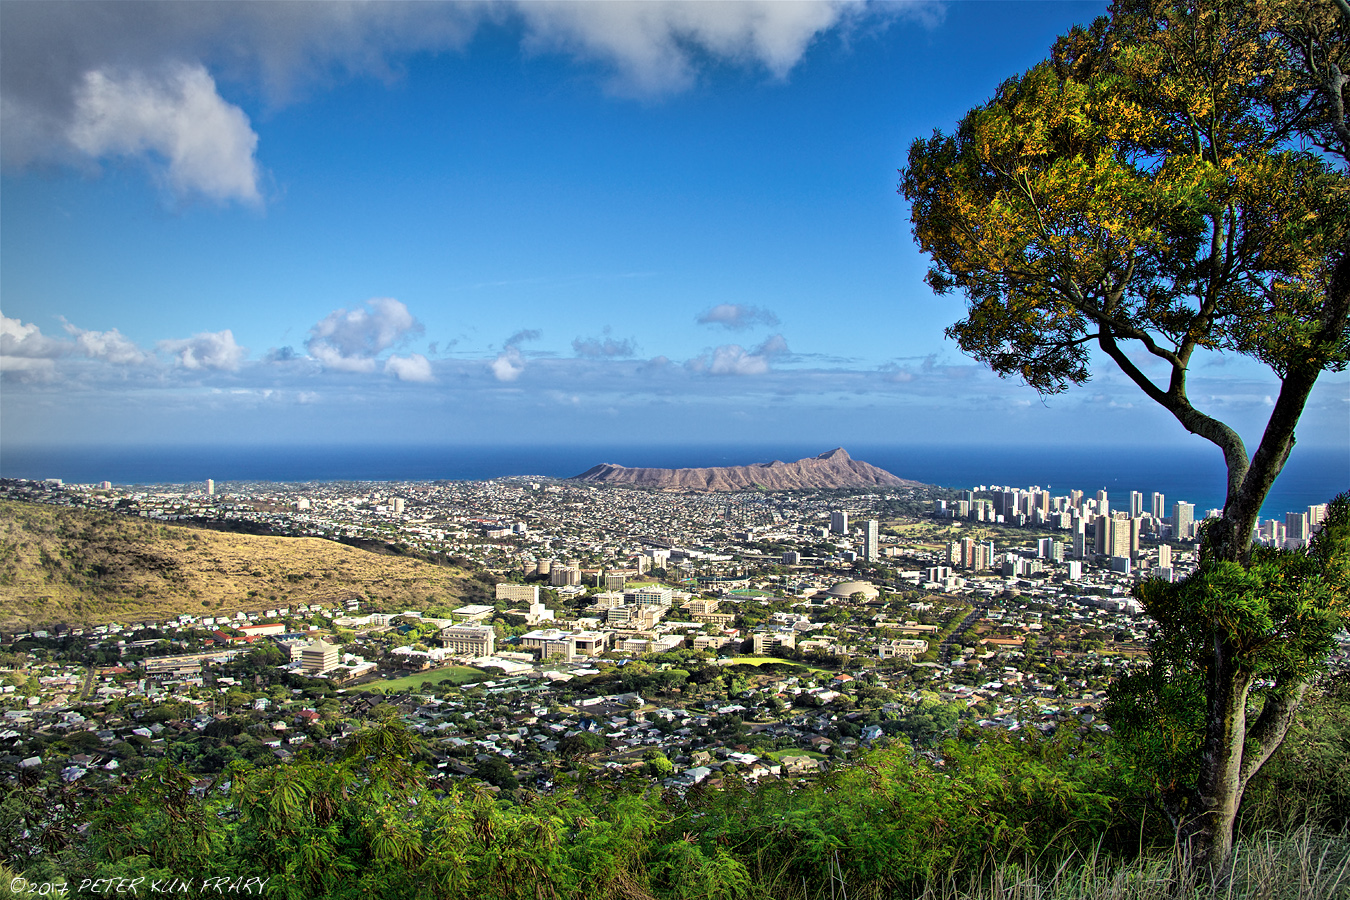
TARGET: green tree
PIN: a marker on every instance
(1282, 612)
(1149, 190)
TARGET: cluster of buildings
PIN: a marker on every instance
(923, 603)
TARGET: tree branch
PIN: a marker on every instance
(1271, 726)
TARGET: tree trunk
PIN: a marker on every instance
(1206, 834)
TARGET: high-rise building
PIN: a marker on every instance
(469, 640)
(1159, 507)
(1076, 499)
(1136, 504)
(319, 657)
(1183, 520)
(518, 593)
(1121, 530)
(399, 506)
(1296, 529)
(1103, 503)
(839, 522)
(1102, 536)
(1164, 556)
(210, 488)
(561, 576)
(871, 538)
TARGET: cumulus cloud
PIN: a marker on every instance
(206, 350)
(177, 116)
(110, 346)
(508, 365)
(20, 341)
(655, 46)
(84, 81)
(348, 340)
(603, 347)
(737, 316)
(25, 352)
(413, 367)
(733, 359)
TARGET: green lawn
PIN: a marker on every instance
(761, 660)
(456, 674)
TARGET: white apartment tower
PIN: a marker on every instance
(210, 487)
(871, 538)
(1183, 520)
(1159, 506)
(1136, 504)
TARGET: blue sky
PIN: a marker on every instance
(514, 222)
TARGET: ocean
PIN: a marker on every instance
(1194, 473)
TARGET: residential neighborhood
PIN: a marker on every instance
(620, 632)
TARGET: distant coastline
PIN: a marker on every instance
(1195, 474)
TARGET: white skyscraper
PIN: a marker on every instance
(1183, 520)
(1136, 504)
(1103, 503)
(210, 488)
(1159, 506)
(871, 537)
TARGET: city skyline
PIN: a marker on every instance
(468, 224)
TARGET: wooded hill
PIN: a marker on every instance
(74, 566)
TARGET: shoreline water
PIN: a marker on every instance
(1194, 474)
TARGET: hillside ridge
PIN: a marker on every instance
(833, 469)
(63, 565)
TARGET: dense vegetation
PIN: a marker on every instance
(372, 819)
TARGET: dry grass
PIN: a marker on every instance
(60, 565)
(1302, 865)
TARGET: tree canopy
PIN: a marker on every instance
(1172, 181)
(1157, 187)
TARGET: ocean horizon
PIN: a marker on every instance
(1194, 474)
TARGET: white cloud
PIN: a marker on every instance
(27, 341)
(656, 45)
(110, 346)
(508, 365)
(737, 316)
(84, 81)
(348, 340)
(414, 367)
(206, 350)
(733, 359)
(176, 116)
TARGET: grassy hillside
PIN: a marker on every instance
(76, 566)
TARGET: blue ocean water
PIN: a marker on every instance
(1195, 474)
